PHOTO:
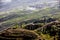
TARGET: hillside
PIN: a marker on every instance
(30, 20)
(24, 20)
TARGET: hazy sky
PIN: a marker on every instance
(6, 0)
(25, 0)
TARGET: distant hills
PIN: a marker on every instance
(29, 3)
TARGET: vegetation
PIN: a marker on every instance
(35, 25)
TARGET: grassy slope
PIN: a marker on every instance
(34, 14)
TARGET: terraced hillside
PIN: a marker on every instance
(30, 25)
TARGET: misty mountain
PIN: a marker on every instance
(16, 3)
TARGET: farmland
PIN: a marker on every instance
(42, 24)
